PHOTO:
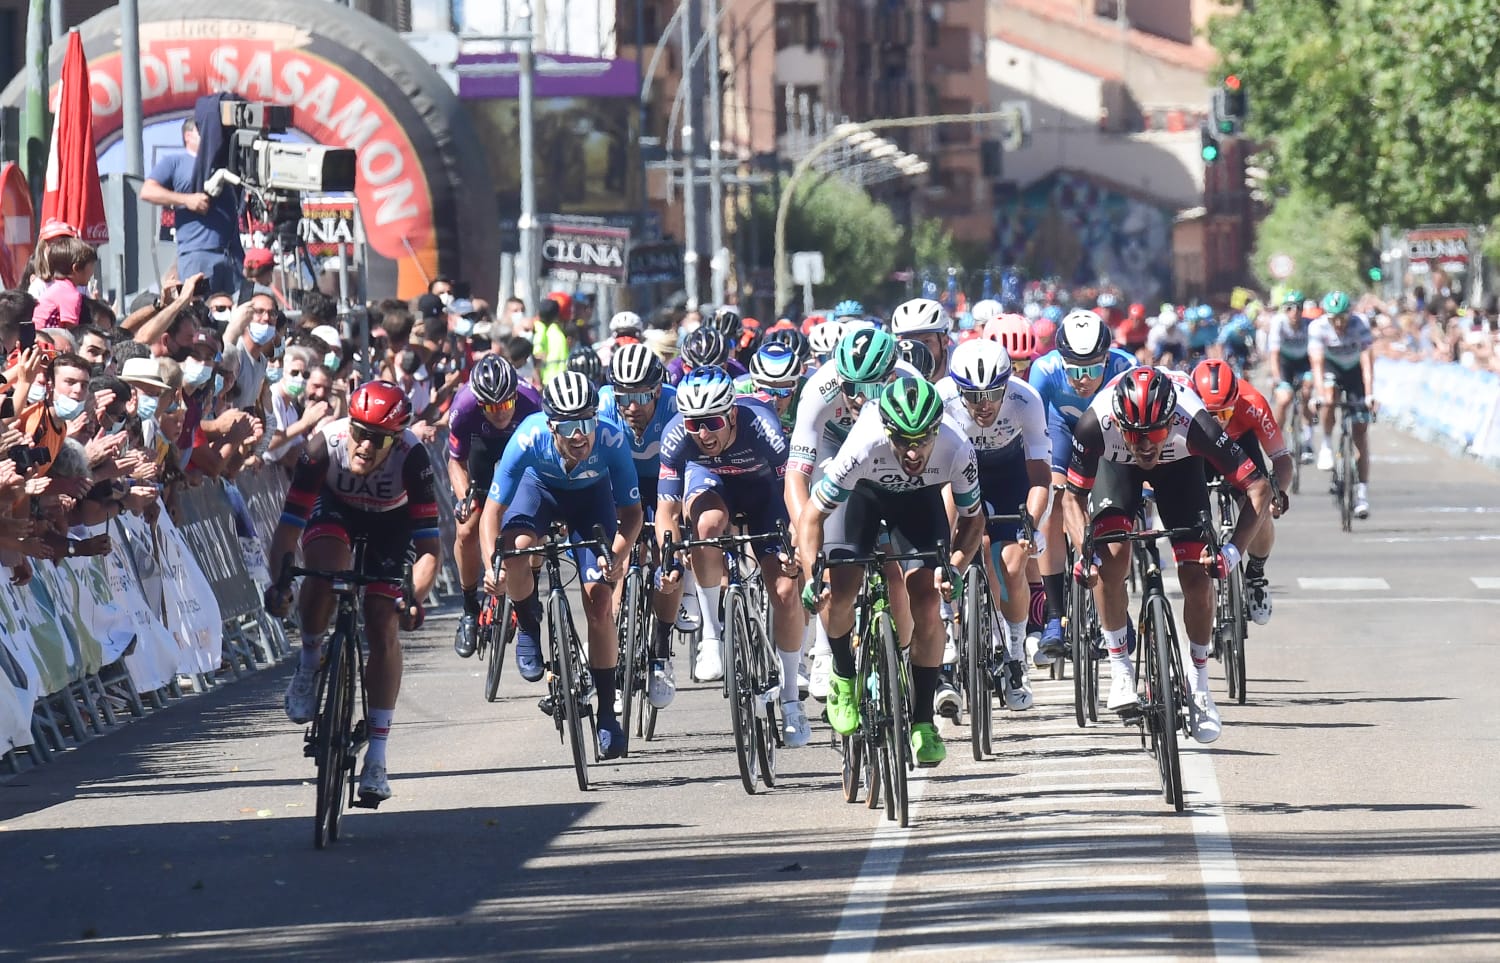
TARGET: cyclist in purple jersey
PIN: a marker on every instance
(702, 348)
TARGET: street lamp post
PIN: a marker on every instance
(838, 135)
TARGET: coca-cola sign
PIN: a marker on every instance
(574, 252)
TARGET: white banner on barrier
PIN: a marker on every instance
(192, 612)
(1447, 401)
(154, 660)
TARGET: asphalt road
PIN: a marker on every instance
(1351, 810)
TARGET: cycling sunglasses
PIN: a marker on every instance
(911, 442)
(705, 423)
(1084, 372)
(776, 392)
(1225, 416)
(574, 426)
(624, 398)
(979, 396)
(499, 407)
(869, 389)
(359, 434)
(1153, 435)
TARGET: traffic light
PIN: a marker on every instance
(1376, 275)
(1230, 101)
(1210, 149)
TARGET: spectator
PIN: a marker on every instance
(66, 264)
(518, 351)
(247, 345)
(94, 345)
(318, 309)
(220, 310)
(549, 345)
(207, 228)
(16, 310)
(513, 320)
(296, 410)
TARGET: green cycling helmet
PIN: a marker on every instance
(866, 354)
(1292, 298)
(1335, 302)
(910, 408)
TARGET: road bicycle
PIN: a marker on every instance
(878, 753)
(752, 671)
(1345, 463)
(570, 688)
(636, 625)
(980, 624)
(1231, 610)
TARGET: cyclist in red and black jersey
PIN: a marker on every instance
(364, 477)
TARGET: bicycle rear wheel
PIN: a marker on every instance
(1295, 439)
(742, 699)
(853, 755)
(628, 677)
(334, 725)
(567, 667)
(1234, 661)
(1165, 706)
(501, 630)
(977, 681)
(1082, 652)
(893, 696)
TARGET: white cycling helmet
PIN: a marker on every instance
(985, 311)
(625, 321)
(635, 367)
(823, 336)
(1082, 337)
(705, 391)
(980, 364)
(919, 316)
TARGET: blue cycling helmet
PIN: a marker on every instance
(1052, 313)
(1205, 312)
(848, 309)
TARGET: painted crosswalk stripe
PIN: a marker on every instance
(1343, 584)
(1485, 581)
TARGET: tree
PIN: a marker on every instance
(1327, 244)
(932, 246)
(1389, 108)
(859, 238)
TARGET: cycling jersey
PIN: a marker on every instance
(1288, 338)
(645, 449)
(1339, 351)
(1167, 339)
(1237, 334)
(867, 455)
(1021, 425)
(1051, 382)
(1252, 415)
(474, 439)
(1203, 337)
(825, 417)
(533, 451)
(758, 452)
(677, 369)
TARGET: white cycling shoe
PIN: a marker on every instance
(302, 696)
(709, 666)
(946, 702)
(374, 782)
(1260, 600)
(817, 680)
(1325, 459)
(1203, 717)
(796, 731)
(1121, 685)
(689, 615)
(661, 689)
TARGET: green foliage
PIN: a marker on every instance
(1328, 244)
(859, 238)
(932, 246)
(1389, 107)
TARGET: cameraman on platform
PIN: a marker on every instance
(207, 228)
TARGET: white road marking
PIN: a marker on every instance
(1224, 893)
(1344, 584)
(859, 923)
(1386, 600)
(1399, 539)
(1485, 581)
(1455, 510)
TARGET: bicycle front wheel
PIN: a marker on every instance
(977, 661)
(1234, 662)
(501, 630)
(332, 742)
(1165, 704)
(893, 689)
(1346, 495)
(568, 669)
(741, 689)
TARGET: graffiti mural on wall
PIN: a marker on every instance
(1072, 228)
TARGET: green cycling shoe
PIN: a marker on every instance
(842, 704)
(926, 745)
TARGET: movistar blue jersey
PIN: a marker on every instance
(646, 450)
(1205, 335)
(1051, 382)
(1239, 330)
(533, 448)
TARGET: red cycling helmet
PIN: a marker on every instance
(1144, 400)
(1014, 334)
(1137, 312)
(1045, 332)
(380, 406)
(1216, 384)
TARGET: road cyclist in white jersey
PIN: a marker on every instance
(924, 321)
(1291, 372)
(893, 468)
(864, 361)
(1004, 419)
(1339, 350)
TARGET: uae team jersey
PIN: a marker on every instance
(825, 416)
(1020, 425)
(1339, 351)
(404, 480)
(758, 451)
(1192, 433)
(867, 455)
(533, 448)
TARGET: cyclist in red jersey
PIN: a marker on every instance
(362, 477)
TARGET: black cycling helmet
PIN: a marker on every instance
(493, 380)
(585, 360)
(705, 346)
(917, 354)
(793, 339)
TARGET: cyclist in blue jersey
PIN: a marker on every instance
(485, 413)
(1236, 340)
(566, 464)
(637, 398)
(1068, 378)
(725, 455)
(1205, 333)
(704, 347)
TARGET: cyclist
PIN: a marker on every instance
(1014, 334)
(585, 360)
(1246, 416)
(362, 477)
(986, 311)
(1004, 419)
(1339, 350)
(724, 455)
(915, 353)
(925, 321)
(485, 413)
(705, 346)
(624, 328)
(1291, 372)
(1167, 342)
(823, 338)
(1237, 339)
(566, 464)
(1143, 429)
(638, 398)
(1068, 378)
(892, 468)
(776, 379)
(1203, 331)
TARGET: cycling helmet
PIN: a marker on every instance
(586, 360)
(775, 366)
(1107, 300)
(915, 353)
(635, 367)
(1335, 302)
(848, 309)
(1216, 384)
(1053, 313)
(728, 323)
(980, 365)
(1205, 312)
(1144, 399)
(919, 316)
(1291, 299)
(1014, 334)
(793, 339)
(910, 408)
(824, 336)
(705, 346)
(1137, 312)
(380, 406)
(493, 380)
(985, 311)
(1032, 311)
(570, 394)
(866, 355)
(625, 321)
(1083, 337)
(708, 390)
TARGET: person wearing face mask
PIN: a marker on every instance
(293, 414)
(162, 324)
(247, 349)
(70, 393)
(35, 417)
(513, 320)
(93, 345)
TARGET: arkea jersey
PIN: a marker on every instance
(1339, 351)
(1051, 382)
(825, 416)
(467, 423)
(758, 451)
(1192, 433)
(646, 447)
(867, 455)
(404, 480)
(1287, 337)
(1021, 423)
(533, 448)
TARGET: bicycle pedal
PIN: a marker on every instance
(545, 704)
(1132, 713)
(366, 802)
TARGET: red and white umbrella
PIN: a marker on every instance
(73, 194)
(15, 216)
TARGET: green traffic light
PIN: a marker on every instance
(1226, 126)
(1210, 153)
(1376, 274)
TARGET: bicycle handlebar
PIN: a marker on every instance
(554, 545)
(290, 571)
(879, 558)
